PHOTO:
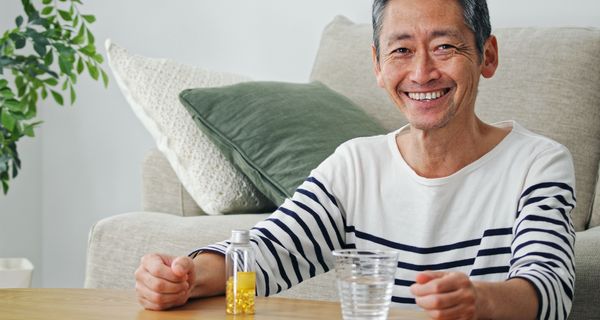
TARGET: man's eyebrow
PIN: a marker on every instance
(398, 37)
(446, 33)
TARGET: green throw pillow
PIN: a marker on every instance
(274, 132)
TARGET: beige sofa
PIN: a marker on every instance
(548, 80)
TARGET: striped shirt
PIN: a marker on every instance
(503, 216)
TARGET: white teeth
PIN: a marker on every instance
(425, 96)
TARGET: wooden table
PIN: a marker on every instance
(104, 304)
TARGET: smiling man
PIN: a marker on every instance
(478, 212)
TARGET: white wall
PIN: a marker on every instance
(91, 152)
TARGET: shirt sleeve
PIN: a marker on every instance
(295, 242)
(544, 235)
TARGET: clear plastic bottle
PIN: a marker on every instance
(241, 276)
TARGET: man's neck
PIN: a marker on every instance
(441, 152)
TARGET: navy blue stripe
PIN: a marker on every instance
(490, 270)
(567, 288)
(322, 187)
(437, 266)
(266, 277)
(545, 185)
(533, 217)
(566, 218)
(297, 243)
(318, 221)
(293, 259)
(546, 255)
(546, 243)
(404, 283)
(403, 300)
(554, 289)
(443, 248)
(493, 251)
(497, 232)
(564, 201)
(331, 220)
(273, 251)
(560, 199)
(310, 236)
(552, 232)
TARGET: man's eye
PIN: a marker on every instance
(446, 47)
(402, 51)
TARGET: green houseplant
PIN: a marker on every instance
(41, 56)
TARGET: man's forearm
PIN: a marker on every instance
(210, 275)
(512, 299)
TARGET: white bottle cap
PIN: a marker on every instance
(240, 236)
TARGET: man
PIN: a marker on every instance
(479, 213)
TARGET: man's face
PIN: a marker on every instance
(429, 63)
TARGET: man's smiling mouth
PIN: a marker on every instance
(427, 96)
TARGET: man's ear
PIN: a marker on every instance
(490, 57)
(376, 67)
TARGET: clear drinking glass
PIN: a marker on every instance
(365, 279)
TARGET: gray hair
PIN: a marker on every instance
(475, 14)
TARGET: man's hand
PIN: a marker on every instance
(446, 295)
(163, 281)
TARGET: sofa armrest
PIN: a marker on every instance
(587, 266)
(117, 243)
(161, 189)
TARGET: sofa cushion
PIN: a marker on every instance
(274, 132)
(547, 81)
(151, 86)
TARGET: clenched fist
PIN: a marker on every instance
(164, 281)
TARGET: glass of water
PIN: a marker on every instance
(365, 279)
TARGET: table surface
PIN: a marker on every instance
(122, 304)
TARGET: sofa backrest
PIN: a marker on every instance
(548, 80)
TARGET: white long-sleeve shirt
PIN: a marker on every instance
(505, 215)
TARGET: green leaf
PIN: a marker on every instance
(28, 131)
(79, 66)
(65, 64)
(47, 10)
(76, 21)
(73, 95)
(47, 1)
(44, 93)
(19, 82)
(20, 42)
(40, 49)
(13, 105)
(49, 58)
(3, 83)
(89, 18)
(51, 81)
(19, 21)
(65, 15)
(73, 77)
(93, 70)
(104, 78)
(89, 50)
(90, 36)
(7, 93)
(57, 97)
(8, 121)
(4, 186)
(78, 40)
(98, 57)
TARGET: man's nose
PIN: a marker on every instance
(423, 69)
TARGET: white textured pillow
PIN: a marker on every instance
(151, 86)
